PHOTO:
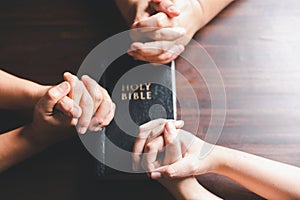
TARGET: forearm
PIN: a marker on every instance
(270, 179)
(188, 188)
(17, 93)
(16, 146)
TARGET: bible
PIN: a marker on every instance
(141, 92)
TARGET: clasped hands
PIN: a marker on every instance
(75, 102)
(182, 150)
(162, 28)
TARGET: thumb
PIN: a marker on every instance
(173, 148)
(179, 169)
(53, 95)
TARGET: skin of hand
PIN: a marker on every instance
(163, 48)
(55, 108)
(48, 120)
(164, 52)
(148, 132)
(181, 188)
(184, 16)
(97, 108)
(45, 129)
(190, 146)
(267, 178)
(96, 105)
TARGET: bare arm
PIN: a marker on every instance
(268, 178)
(23, 142)
(18, 93)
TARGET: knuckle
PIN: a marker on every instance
(51, 94)
(97, 97)
(100, 120)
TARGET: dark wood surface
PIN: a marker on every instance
(255, 44)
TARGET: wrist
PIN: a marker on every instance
(219, 155)
(36, 93)
(31, 135)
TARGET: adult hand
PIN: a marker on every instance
(166, 44)
(148, 132)
(192, 162)
(181, 188)
(47, 120)
(94, 101)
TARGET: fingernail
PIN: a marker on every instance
(58, 90)
(156, 175)
(82, 130)
(135, 46)
(63, 87)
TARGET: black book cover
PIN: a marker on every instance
(141, 92)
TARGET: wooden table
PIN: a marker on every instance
(255, 44)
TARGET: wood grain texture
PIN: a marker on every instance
(255, 45)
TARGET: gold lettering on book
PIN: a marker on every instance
(136, 91)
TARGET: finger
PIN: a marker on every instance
(148, 132)
(166, 34)
(67, 107)
(151, 124)
(150, 50)
(163, 34)
(53, 95)
(110, 115)
(150, 153)
(104, 109)
(173, 148)
(179, 169)
(154, 22)
(144, 131)
(94, 90)
(76, 89)
(168, 56)
(86, 104)
(95, 126)
(167, 7)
